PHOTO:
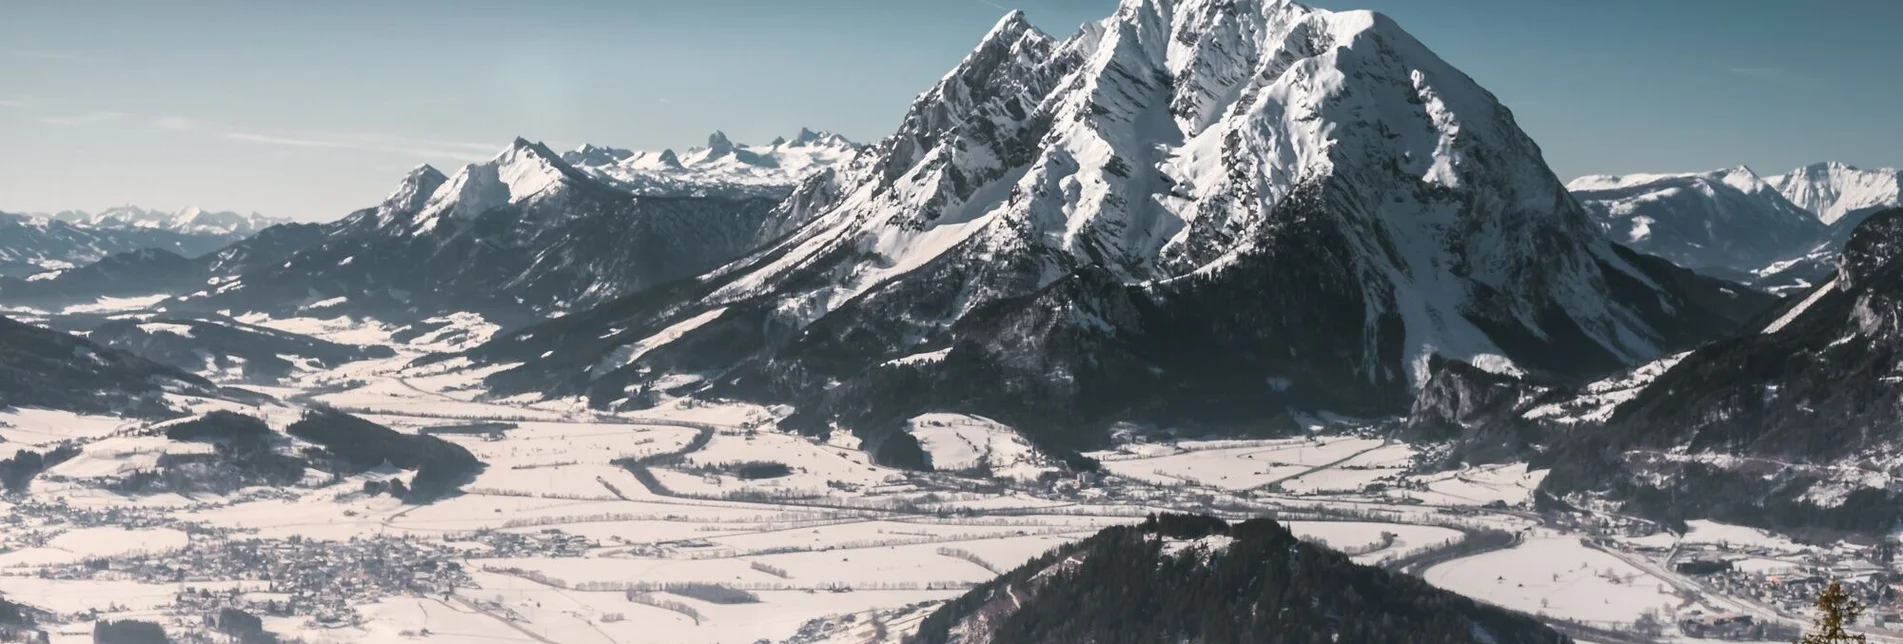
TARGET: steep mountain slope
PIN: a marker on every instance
(1184, 578)
(1793, 425)
(1729, 222)
(522, 234)
(723, 168)
(45, 368)
(1211, 215)
(190, 221)
(1835, 190)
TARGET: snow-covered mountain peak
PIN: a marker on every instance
(1164, 93)
(526, 171)
(590, 154)
(718, 144)
(664, 160)
(1833, 190)
(1742, 178)
(808, 138)
(1013, 34)
(1183, 98)
(411, 194)
(424, 172)
(1013, 25)
(1193, 211)
(530, 170)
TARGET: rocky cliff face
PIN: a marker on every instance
(1199, 213)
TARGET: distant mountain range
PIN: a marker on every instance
(722, 168)
(32, 244)
(150, 270)
(524, 235)
(1728, 221)
(191, 221)
(1781, 233)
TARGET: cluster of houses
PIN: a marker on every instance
(548, 542)
(1783, 579)
(318, 580)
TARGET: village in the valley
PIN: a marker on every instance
(702, 522)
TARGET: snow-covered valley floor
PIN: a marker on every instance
(746, 533)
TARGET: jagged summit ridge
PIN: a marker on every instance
(1181, 99)
(1286, 209)
(525, 172)
(411, 194)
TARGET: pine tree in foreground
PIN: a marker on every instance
(1835, 609)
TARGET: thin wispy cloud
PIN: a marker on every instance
(8, 102)
(279, 140)
(993, 5)
(174, 123)
(385, 140)
(85, 118)
(369, 142)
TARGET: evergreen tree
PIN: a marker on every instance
(1835, 609)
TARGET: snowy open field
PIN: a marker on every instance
(555, 539)
(1554, 574)
(1239, 465)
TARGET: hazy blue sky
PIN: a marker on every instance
(312, 109)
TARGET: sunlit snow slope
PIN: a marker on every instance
(1206, 212)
